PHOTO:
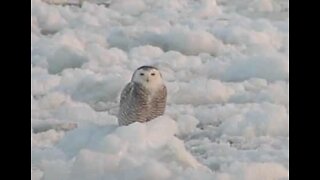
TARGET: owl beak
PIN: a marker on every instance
(147, 79)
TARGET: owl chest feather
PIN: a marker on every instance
(142, 104)
(151, 99)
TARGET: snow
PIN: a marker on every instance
(133, 7)
(179, 39)
(225, 64)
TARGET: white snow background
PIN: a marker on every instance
(225, 63)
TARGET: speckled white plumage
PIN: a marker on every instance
(144, 98)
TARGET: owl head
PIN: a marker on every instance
(148, 76)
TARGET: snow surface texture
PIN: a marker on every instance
(225, 63)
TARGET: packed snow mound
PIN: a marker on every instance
(201, 91)
(133, 7)
(181, 39)
(141, 150)
(253, 171)
(261, 120)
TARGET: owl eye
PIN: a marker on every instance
(141, 74)
(152, 74)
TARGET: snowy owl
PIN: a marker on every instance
(144, 98)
